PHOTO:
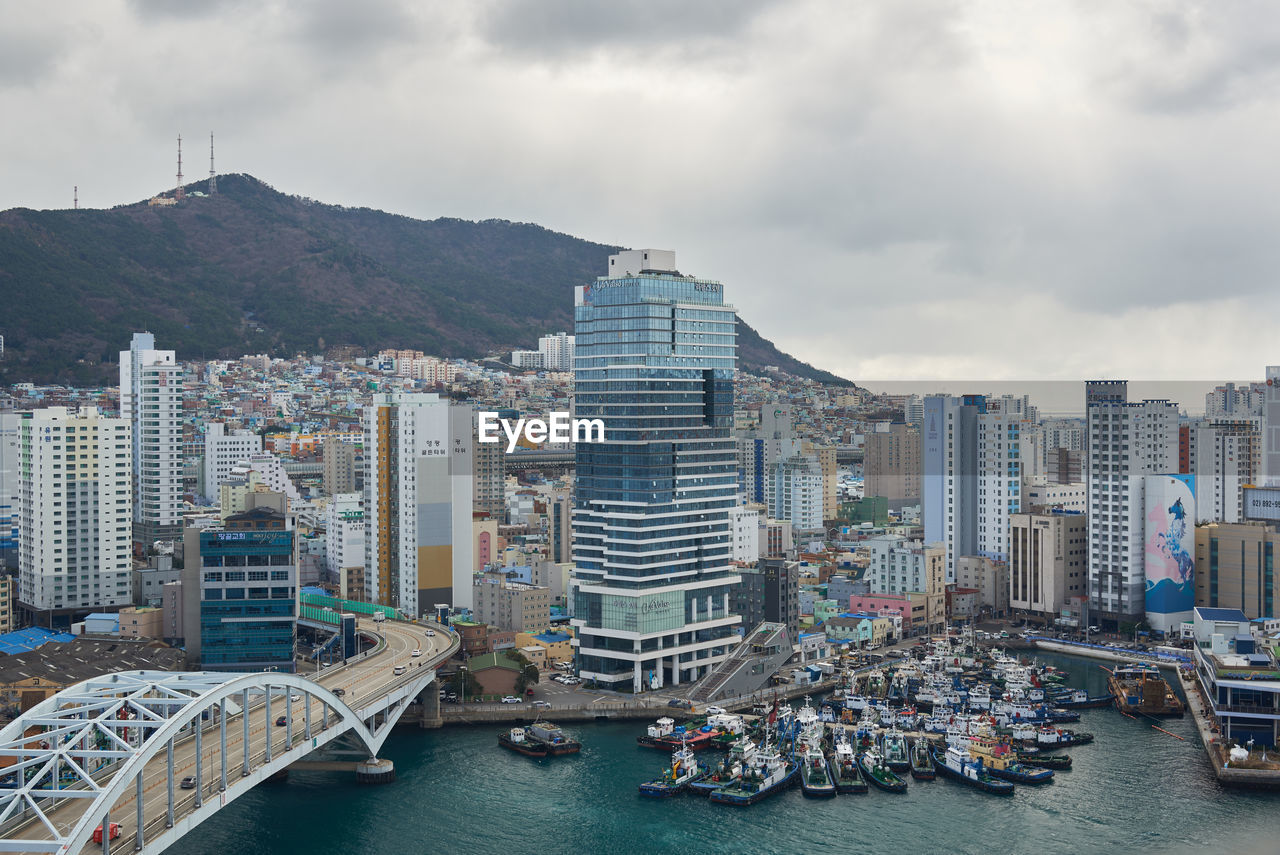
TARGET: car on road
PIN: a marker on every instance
(431, 633)
(680, 703)
(416, 652)
(510, 699)
(337, 693)
(398, 670)
(282, 721)
(452, 697)
(113, 831)
(188, 783)
(716, 710)
(541, 705)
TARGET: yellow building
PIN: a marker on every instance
(559, 645)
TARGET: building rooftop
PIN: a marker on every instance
(1221, 614)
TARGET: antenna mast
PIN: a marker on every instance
(177, 194)
(213, 176)
(75, 197)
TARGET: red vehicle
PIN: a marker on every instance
(115, 832)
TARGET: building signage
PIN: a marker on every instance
(1262, 503)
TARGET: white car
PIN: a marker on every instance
(511, 699)
(416, 652)
(431, 633)
(716, 711)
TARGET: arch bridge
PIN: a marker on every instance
(155, 753)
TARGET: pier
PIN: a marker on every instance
(1216, 750)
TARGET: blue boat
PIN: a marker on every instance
(768, 773)
(957, 765)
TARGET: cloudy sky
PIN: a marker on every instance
(889, 190)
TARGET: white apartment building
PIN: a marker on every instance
(744, 525)
(557, 351)
(900, 566)
(1039, 492)
(796, 492)
(1126, 442)
(222, 451)
(1271, 427)
(417, 501)
(1224, 456)
(75, 513)
(9, 490)
(344, 533)
(151, 400)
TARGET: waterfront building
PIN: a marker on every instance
(1236, 567)
(417, 501)
(768, 591)
(1239, 678)
(222, 451)
(655, 354)
(75, 514)
(151, 401)
(1048, 562)
(892, 463)
(1126, 441)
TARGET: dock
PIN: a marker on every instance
(1216, 750)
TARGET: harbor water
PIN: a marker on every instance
(1134, 789)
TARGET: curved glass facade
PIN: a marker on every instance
(654, 361)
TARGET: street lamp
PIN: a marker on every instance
(463, 670)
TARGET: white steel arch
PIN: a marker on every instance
(95, 740)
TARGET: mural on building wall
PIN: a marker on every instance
(1170, 543)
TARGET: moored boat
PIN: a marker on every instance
(843, 766)
(921, 761)
(1079, 699)
(1057, 762)
(683, 770)
(878, 774)
(1002, 762)
(959, 765)
(815, 778)
(894, 750)
(1050, 737)
(767, 774)
(741, 754)
(517, 739)
(553, 738)
(1139, 688)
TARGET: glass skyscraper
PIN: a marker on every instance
(652, 547)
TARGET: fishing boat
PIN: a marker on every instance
(815, 778)
(1079, 699)
(683, 770)
(768, 773)
(553, 738)
(843, 766)
(878, 774)
(1002, 762)
(741, 754)
(921, 761)
(958, 765)
(666, 735)
(1049, 737)
(1140, 689)
(517, 740)
(894, 747)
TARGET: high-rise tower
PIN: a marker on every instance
(654, 359)
(151, 399)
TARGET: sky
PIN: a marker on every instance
(905, 189)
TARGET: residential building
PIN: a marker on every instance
(1064, 466)
(1040, 493)
(1223, 456)
(1231, 402)
(241, 581)
(148, 582)
(418, 492)
(1048, 562)
(744, 522)
(1271, 427)
(8, 598)
(151, 402)
(990, 579)
(489, 481)
(1236, 567)
(892, 465)
(775, 537)
(341, 474)
(509, 605)
(560, 527)
(768, 591)
(557, 351)
(75, 514)
(797, 492)
(9, 492)
(900, 566)
(651, 504)
(1126, 442)
(222, 451)
(344, 537)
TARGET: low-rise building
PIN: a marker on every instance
(1239, 679)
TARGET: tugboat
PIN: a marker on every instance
(873, 768)
(1141, 689)
(517, 740)
(1050, 737)
(553, 738)
(769, 773)
(1079, 699)
(956, 764)
(683, 770)
(1057, 762)
(1002, 762)
(815, 779)
(741, 754)
(921, 763)
(843, 766)
(896, 756)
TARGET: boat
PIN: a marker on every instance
(843, 766)
(958, 765)
(767, 774)
(1057, 762)
(553, 738)
(815, 778)
(1002, 762)
(921, 762)
(741, 754)
(1079, 699)
(683, 770)
(666, 735)
(1049, 737)
(878, 774)
(894, 747)
(517, 740)
(1140, 689)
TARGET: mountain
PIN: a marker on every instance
(253, 270)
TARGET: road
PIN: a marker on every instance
(368, 678)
